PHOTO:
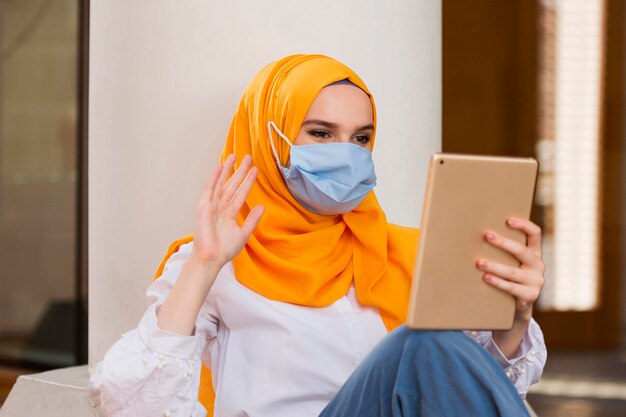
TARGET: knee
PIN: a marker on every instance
(421, 342)
(404, 343)
(403, 334)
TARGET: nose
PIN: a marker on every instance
(342, 139)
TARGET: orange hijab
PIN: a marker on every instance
(294, 255)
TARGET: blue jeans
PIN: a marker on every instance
(427, 373)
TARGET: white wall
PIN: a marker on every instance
(165, 77)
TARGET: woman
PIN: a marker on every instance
(293, 276)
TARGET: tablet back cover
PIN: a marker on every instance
(465, 197)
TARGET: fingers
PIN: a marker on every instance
(217, 230)
(523, 282)
(242, 192)
(533, 233)
(229, 195)
(525, 295)
(524, 254)
(252, 220)
(228, 165)
(510, 273)
(529, 276)
(235, 181)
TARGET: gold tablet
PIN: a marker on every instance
(467, 195)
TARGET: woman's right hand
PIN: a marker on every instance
(218, 237)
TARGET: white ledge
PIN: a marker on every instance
(58, 393)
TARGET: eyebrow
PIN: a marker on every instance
(332, 125)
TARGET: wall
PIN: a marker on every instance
(165, 78)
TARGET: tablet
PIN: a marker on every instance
(467, 195)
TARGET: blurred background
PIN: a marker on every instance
(540, 78)
(42, 314)
(545, 78)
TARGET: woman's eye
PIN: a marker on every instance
(320, 134)
(362, 139)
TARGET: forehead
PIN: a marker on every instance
(342, 104)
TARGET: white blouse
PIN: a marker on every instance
(268, 358)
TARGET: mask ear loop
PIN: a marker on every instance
(271, 124)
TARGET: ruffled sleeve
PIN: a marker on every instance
(526, 368)
(150, 371)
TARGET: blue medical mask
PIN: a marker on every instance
(327, 178)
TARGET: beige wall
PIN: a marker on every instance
(165, 78)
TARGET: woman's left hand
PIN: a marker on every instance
(525, 281)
